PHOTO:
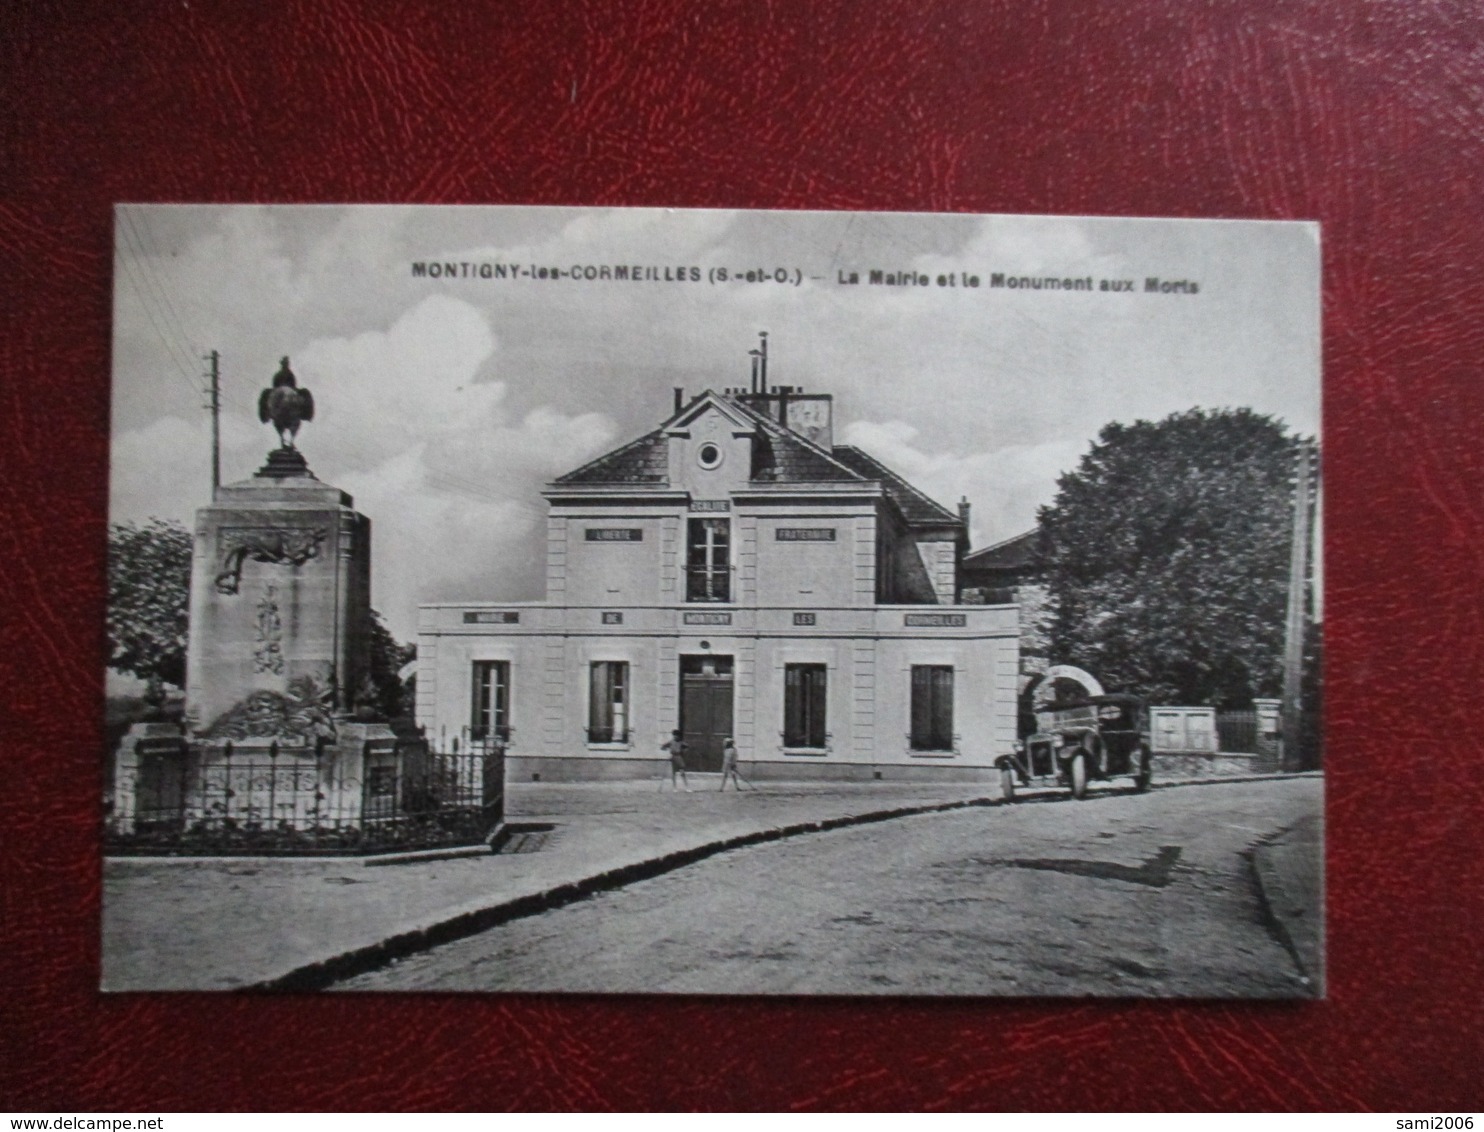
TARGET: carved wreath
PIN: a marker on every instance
(300, 714)
(289, 546)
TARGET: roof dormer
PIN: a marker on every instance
(710, 442)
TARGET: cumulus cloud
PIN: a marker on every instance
(163, 468)
(411, 426)
(1005, 485)
(436, 541)
(429, 450)
(415, 381)
(443, 405)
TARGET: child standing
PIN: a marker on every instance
(729, 766)
(677, 748)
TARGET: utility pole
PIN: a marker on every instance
(1298, 587)
(216, 422)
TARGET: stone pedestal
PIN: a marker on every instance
(1269, 734)
(280, 605)
(318, 787)
(149, 776)
(271, 758)
(363, 788)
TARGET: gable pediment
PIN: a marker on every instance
(710, 405)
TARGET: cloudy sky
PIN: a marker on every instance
(444, 404)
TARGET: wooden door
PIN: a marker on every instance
(705, 709)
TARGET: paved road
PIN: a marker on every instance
(1120, 895)
(225, 922)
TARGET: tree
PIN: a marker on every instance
(149, 593)
(1167, 554)
(386, 657)
(149, 586)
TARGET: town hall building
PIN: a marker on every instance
(734, 573)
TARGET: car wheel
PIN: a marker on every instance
(1077, 774)
(1007, 784)
(1145, 774)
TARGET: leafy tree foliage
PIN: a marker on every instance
(149, 584)
(1167, 554)
(383, 690)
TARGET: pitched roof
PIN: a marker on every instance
(1014, 553)
(915, 507)
(783, 456)
(780, 455)
(640, 461)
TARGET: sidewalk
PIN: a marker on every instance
(223, 923)
(296, 923)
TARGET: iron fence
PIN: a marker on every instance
(221, 800)
(1236, 732)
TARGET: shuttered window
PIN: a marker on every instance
(804, 705)
(932, 707)
(608, 702)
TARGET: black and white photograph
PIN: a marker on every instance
(657, 601)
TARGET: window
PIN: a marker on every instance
(804, 705)
(708, 563)
(709, 456)
(491, 715)
(932, 707)
(608, 703)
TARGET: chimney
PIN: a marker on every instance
(679, 398)
(963, 510)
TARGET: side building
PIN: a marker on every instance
(734, 573)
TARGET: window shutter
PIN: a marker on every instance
(943, 708)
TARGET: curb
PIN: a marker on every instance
(491, 844)
(322, 974)
(1219, 780)
(482, 849)
(357, 961)
(421, 856)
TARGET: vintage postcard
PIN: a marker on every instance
(707, 602)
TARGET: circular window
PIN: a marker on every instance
(709, 456)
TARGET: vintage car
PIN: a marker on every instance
(1100, 737)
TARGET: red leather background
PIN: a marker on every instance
(1365, 115)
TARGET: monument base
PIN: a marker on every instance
(280, 602)
(367, 789)
(148, 777)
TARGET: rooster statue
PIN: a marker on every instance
(285, 404)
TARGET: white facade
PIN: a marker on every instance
(728, 576)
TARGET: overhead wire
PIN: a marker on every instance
(169, 324)
(135, 263)
(227, 395)
(145, 301)
(151, 250)
(445, 481)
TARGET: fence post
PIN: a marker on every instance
(182, 804)
(1269, 731)
(492, 793)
